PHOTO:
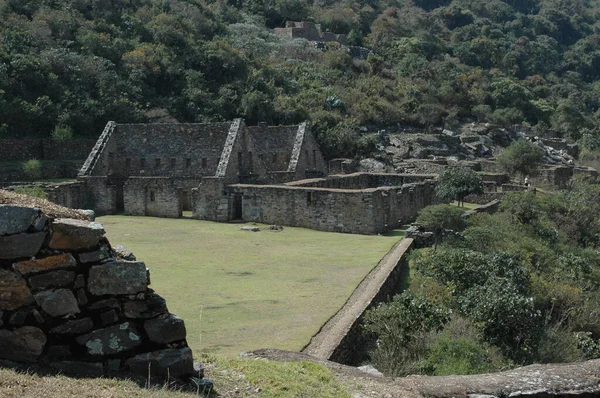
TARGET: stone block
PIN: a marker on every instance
(165, 329)
(77, 326)
(152, 306)
(58, 302)
(111, 340)
(172, 362)
(79, 369)
(21, 245)
(25, 344)
(104, 304)
(52, 279)
(109, 317)
(119, 277)
(123, 253)
(45, 264)
(96, 256)
(14, 292)
(82, 297)
(75, 234)
(16, 219)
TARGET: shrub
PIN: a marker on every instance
(36, 192)
(62, 132)
(521, 157)
(33, 169)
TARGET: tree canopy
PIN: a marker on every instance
(456, 183)
(71, 63)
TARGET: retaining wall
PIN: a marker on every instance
(71, 302)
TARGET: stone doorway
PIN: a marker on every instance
(238, 201)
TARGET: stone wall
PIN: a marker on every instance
(44, 149)
(309, 31)
(71, 302)
(362, 211)
(13, 172)
(152, 196)
(363, 180)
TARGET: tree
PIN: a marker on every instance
(521, 157)
(440, 217)
(458, 182)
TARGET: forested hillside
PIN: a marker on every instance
(79, 63)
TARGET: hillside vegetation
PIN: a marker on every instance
(74, 64)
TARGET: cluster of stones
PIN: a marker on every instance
(71, 302)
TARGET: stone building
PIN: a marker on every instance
(309, 31)
(151, 169)
(230, 171)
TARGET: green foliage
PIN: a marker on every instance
(458, 182)
(440, 217)
(521, 157)
(62, 133)
(34, 191)
(33, 169)
(400, 327)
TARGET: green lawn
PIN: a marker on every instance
(239, 291)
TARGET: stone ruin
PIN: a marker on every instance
(72, 303)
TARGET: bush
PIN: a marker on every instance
(33, 169)
(62, 132)
(36, 192)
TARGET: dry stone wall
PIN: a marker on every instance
(71, 302)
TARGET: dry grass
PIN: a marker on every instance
(23, 385)
(49, 208)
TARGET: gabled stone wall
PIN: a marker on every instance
(71, 302)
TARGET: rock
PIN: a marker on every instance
(58, 352)
(16, 219)
(152, 306)
(275, 228)
(57, 302)
(165, 329)
(119, 277)
(96, 256)
(79, 282)
(77, 326)
(79, 369)
(25, 344)
(52, 279)
(21, 245)
(172, 362)
(450, 133)
(14, 292)
(370, 370)
(74, 234)
(40, 224)
(109, 317)
(18, 318)
(82, 297)
(123, 253)
(250, 229)
(111, 340)
(104, 304)
(91, 214)
(45, 264)
(371, 166)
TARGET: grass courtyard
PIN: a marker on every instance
(239, 291)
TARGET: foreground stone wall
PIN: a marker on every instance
(71, 302)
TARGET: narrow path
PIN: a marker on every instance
(323, 344)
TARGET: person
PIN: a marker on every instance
(527, 182)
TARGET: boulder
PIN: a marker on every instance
(123, 253)
(171, 362)
(77, 326)
(74, 234)
(250, 229)
(79, 369)
(45, 264)
(118, 277)
(52, 279)
(21, 245)
(14, 292)
(25, 344)
(58, 302)
(111, 340)
(16, 219)
(165, 329)
(150, 307)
